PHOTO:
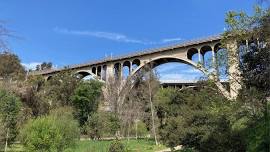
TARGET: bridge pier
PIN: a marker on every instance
(235, 78)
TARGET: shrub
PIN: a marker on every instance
(10, 106)
(102, 124)
(55, 132)
(117, 146)
(86, 99)
(141, 129)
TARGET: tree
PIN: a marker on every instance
(4, 33)
(201, 119)
(58, 90)
(44, 66)
(150, 87)
(10, 67)
(139, 129)
(10, 106)
(102, 124)
(55, 132)
(255, 65)
(85, 99)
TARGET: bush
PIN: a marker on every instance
(10, 106)
(55, 132)
(141, 129)
(117, 146)
(200, 119)
(86, 99)
(102, 124)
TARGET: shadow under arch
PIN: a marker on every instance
(162, 60)
(84, 73)
(48, 78)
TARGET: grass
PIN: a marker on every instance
(140, 145)
(14, 148)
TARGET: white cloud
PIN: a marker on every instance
(178, 76)
(31, 65)
(176, 71)
(171, 40)
(192, 71)
(113, 36)
(99, 34)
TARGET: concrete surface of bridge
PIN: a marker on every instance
(183, 53)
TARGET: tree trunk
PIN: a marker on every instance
(152, 110)
(128, 129)
(136, 129)
(6, 140)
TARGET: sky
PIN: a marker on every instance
(67, 32)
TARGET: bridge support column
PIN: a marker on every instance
(214, 63)
(130, 68)
(109, 72)
(199, 54)
(121, 71)
(235, 78)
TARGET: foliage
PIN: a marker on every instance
(139, 129)
(102, 124)
(201, 119)
(33, 96)
(10, 106)
(10, 67)
(44, 66)
(58, 89)
(258, 137)
(55, 132)
(85, 99)
(141, 145)
(117, 146)
(255, 66)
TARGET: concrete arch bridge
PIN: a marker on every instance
(183, 53)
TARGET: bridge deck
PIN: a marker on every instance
(132, 55)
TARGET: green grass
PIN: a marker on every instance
(103, 146)
(13, 148)
(140, 145)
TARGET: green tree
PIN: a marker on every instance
(102, 124)
(44, 66)
(139, 129)
(85, 99)
(57, 91)
(55, 132)
(199, 119)
(10, 67)
(255, 65)
(10, 106)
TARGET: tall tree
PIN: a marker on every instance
(58, 90)
(10, 67)
(255, 66)
(10, 106)
(86, 99)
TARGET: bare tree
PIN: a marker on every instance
(4, 33)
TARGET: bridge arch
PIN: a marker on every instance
(126, 71)
(191, 52)
(84, 73)
(48, 78)
(165, 59)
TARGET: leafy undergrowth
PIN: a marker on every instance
(141, 145)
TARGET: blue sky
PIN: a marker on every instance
(68, 32)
